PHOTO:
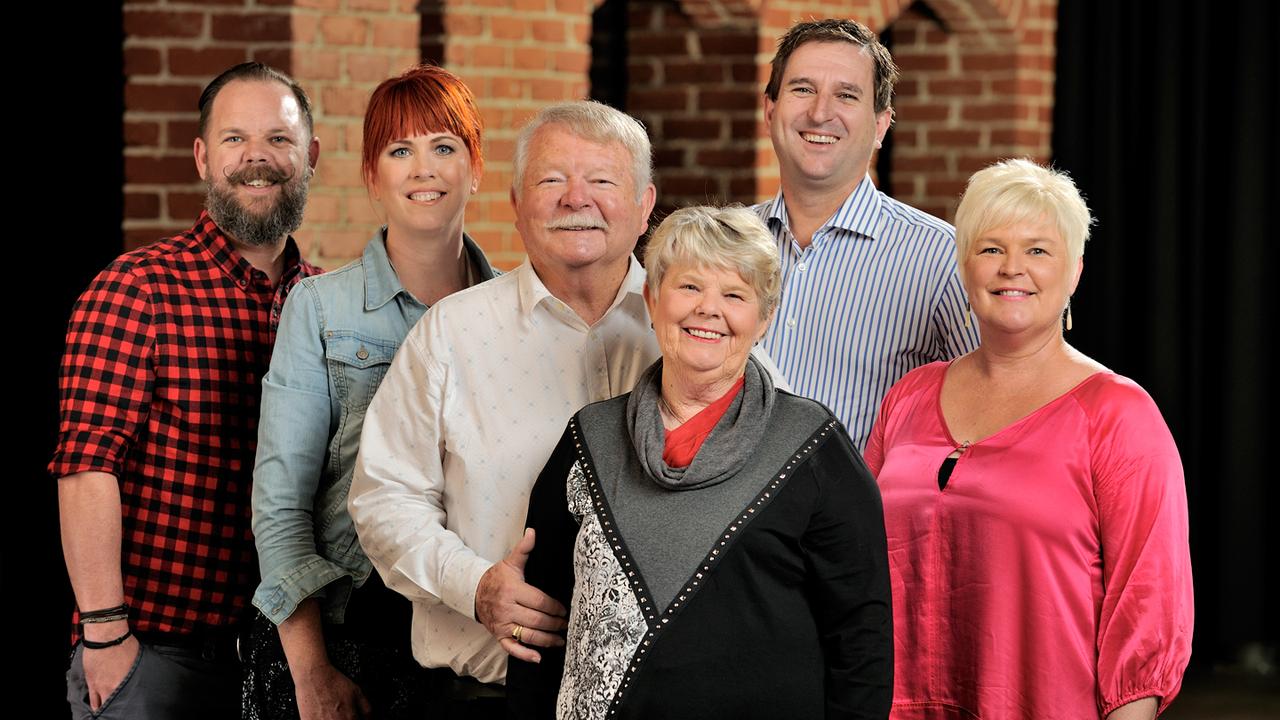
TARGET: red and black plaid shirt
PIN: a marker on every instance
(160, 385)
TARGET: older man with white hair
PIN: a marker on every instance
(482, 387)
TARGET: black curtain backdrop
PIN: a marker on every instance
(1166, 116)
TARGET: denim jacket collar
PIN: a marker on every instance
(381, 283)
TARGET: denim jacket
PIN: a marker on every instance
(337, 336)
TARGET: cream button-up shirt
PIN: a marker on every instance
(470, 410)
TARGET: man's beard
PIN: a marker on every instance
(248, 227)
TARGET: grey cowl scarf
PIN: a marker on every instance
(725, 449)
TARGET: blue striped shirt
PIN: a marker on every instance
(875, 295)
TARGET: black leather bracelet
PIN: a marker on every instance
(91, 645)
(118, 612)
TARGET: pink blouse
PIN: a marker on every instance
(1051, 578)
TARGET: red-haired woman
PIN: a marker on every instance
(341, 649)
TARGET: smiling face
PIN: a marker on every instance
(423, 182)
(706, 320)
(1019, 278)
(577, 205)
(824, 125)
(256, 159)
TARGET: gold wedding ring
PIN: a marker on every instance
(517, 632)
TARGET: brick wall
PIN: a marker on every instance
(337, 49)
(977, 86)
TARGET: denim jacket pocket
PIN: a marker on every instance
(357, 363)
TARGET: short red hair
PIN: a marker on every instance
(424, 99)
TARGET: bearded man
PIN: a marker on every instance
(159, 392)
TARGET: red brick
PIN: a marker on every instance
(368, 67)
(668, 157)
(551, 90)
(153, 170)
(323, 208)
(280, 58)
(141, 61)
(339, 243)
(721, 100)
(373, 5)
(693, 71)
(926, 163)
(135, 238)
(727, 158)
(922, 112)
(954, 86)
(181, 134)
(747, 130)
(742, 190)
(203, 63)
(305, 28)
(572, 7)
(643, 17)
(184, 205)
(954, 138)
(750, 73)
(496, 57)
(549, 31)
(141, 134)
(573, 61)
(344, 30)
(911, 63)
(341, 171)
(505, 87)
(344, 101)
(980, 62)
(507, 28)
(160, 98)
(310, 4)
(141, 205)
(350, 136)
(361, 211)
(1018, 137)
(944, 187)
(661, 99)
(648, 44)
(1031, 87)
(968, 164)
(688, 185)
(534, 5)
(641, 72)
(527, 58)
(163, 24)
(309, 64)
(990, 111)
(728, 44)
(252, 27)
(699, 129)
(462, 24)
(395, 34)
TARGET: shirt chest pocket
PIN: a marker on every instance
(357, 364)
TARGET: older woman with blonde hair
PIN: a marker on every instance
(1034, 500)
(719, 542)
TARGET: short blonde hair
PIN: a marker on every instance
(1015, 191)
(594, 121)
(732, 238)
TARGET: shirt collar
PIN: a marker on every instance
(225, 255)
(533, 292)
(859, 213)
(381, 284)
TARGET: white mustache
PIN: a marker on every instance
(578, 220)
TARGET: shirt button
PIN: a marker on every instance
(362, 354)
(800, 267)
(791, 322)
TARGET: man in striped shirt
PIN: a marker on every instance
(870, 286)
